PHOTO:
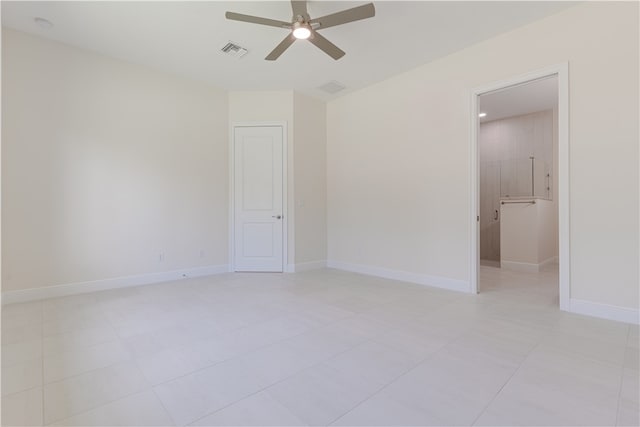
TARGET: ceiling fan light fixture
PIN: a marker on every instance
(301, 30)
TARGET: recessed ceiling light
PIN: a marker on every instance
(43, 23)
(482, 115)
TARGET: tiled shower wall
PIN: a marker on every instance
(505, 148)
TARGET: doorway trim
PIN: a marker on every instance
(285, 194)
(562, 72)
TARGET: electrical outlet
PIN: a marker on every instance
(161, 257)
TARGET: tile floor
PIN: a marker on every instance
(322, 347)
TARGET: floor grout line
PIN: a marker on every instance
(505, 384)
(148, 387)
(292, 375)
(276, 383)
(375, 393)
(135, 361)
(153, 390)
(426, 358)
(243, 354)
(99, 406)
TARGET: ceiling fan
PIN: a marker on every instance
(303, 27)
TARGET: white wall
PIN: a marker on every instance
(106, 165)
(310, 165)
(398, 154)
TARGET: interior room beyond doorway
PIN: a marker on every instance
(518, 197)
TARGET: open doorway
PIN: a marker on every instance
(517, 150)
(520, 188)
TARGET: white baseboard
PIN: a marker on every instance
(604, 311)
(421, 279)
(489, 263)
(106, 284)
(552, 260)
(525, 267)
(310, 265)
(303, 266)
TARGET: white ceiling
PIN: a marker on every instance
(538, 95)
(185, 37)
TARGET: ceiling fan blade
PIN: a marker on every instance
(284, 44)
(349, 15)
(326, 46)
(299, 9)
(257, 20)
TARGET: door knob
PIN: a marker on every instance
(276, 216)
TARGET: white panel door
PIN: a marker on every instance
(258, 202)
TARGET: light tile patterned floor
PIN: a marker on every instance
(317, 348)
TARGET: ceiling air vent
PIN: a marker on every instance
(332, 87)
(234, 50)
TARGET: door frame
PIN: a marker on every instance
(560, 70)
(285, 193)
